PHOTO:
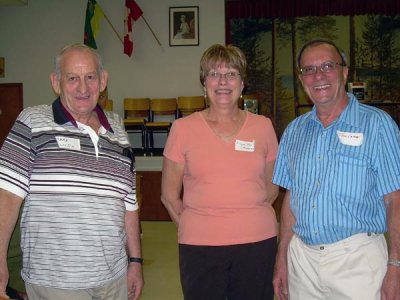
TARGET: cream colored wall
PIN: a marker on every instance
(31, 35)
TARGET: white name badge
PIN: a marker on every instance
(350, 138)
(245, 146)
(68, 143)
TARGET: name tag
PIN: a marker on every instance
(245, 146)
(350, 138)
(68, 143)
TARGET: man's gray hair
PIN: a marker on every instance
(76, 47)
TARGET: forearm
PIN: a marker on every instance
(272, 193)
(10, 205)
(132, 229)
(171, 189)
(287, 221)
(272, 189)
(134, 274)
(174, 207)
(393, 222)
(391, 283)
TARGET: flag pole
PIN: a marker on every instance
(144, 19)
(111, 25)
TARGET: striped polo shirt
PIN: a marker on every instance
(337, 176)
(76, 193)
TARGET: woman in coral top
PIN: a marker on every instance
(223, 157)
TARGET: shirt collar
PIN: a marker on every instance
(62, 116)
(350, 115)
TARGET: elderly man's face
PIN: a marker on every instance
(323, 88)
(80, 83)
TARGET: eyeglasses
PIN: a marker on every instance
(325, 67)
(216, 76)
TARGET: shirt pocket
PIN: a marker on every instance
(352, 176)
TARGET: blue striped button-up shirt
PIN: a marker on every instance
(337, 176)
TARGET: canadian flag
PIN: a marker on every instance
(133, 12)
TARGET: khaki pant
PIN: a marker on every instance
(116, 290)
(352, 269)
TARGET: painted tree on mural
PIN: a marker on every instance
(378, 56)
(248, 34)
(290, 33)
(254, 36)
(272, 60)
(300, 30)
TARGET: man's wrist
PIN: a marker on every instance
(394, 262)
(137, 260)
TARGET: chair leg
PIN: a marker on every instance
(144, 141)
(151, 142)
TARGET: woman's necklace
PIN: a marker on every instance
(226, 137)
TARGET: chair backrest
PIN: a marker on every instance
(190, 104)
(136, 108)
(163, 106)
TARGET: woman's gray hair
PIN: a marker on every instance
(76, 47)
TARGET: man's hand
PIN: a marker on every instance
(3, 279)
(135, 281)
(280, 280)
(391, 284)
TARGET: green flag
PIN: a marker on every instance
(94, 14)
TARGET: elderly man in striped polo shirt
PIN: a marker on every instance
(341, 166)
(72, 166)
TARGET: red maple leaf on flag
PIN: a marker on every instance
(133, 12)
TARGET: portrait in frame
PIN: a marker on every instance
(184, 26)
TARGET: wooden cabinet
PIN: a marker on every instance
(152, 208)
(10, 107)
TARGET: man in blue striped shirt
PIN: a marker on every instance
(340, 164)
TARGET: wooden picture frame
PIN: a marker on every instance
(184, 26)
(2, 67)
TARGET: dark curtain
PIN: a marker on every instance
(300, 8)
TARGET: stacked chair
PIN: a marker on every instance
(163, 111)
(190, 104)
(109, 105)
(136, 115)
(150, 116)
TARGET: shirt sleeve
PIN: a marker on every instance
(173, 147)
(388, 158)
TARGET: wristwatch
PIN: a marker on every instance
(394, 262)
(137, 260)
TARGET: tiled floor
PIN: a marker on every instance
(161, 270)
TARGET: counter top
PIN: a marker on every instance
(149, 163)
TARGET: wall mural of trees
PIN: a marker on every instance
(371, 44)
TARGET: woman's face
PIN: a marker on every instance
(223, 86)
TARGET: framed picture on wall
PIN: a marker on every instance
(184, 26)
(2, 67)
